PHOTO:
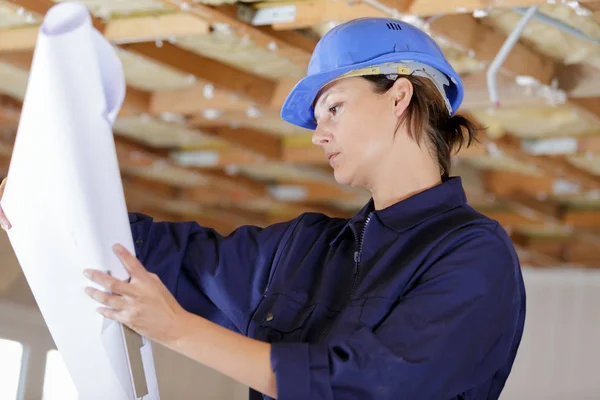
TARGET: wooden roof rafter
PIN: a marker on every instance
(239, 96)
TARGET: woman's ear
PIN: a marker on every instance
(401, 94)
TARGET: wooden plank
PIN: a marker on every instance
(469, 34)
(118, 31)
(511, 95)
(215, 158)
(226, 18)
(136, 101)
(313, 12)
(222, 75)
(255, 88)
(566, 250)
(41, 7)
(551, 166)
(36, 6)
(507, 184)
(153, 27)
(19, 39)
(266, 145)
(579, 80)
(435, 7)
(196, 99)
(210, 118)
(292, 38)
(583, 218)
(555, 167)
(589, 104)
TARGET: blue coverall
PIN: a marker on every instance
(421, 300)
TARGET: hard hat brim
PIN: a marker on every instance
(297, 108)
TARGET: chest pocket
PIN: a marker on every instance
(279, 318)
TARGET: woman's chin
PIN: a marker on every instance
(341, 177)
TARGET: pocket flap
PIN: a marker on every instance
(283, 313)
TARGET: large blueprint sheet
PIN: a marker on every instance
(65, 201)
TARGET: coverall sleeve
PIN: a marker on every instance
(220, 278)
(452, 331)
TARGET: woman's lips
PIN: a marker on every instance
(331, 156)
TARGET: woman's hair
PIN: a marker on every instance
(427, 113)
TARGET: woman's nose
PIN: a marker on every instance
(320, 136)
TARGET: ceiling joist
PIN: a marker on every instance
(214, 149)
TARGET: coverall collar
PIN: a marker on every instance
(413, 210)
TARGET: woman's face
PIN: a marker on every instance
(355, 127)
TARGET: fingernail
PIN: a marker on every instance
(4, 226)
(86, 273)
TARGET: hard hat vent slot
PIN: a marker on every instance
(394, 27)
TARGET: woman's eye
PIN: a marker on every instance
(333, 109)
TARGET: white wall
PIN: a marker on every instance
(558, 359)
(560, 353)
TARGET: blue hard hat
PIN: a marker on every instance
(360, 47)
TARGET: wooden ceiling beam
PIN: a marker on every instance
(510, 93)
(593, 6)
(215, 159)
(134, 155)
(528, 197)
(121, 30)
(240, 188)
(159, 194)
(214, 117)
(562, 146)
(469, 34)
(196, 99)
(551, 166)
(307, 13)
(589, 104)
(272, 147)
(136, 101)
(568, 250)
(193, 100)
(435, 7)
(225, 17)
(10, 111)
(533, 258)
(165, 193)
(556, 167)
(507, 183)
(238, 82)
(139, 202)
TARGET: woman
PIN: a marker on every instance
(417, 296)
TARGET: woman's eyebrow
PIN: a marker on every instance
(321, 101)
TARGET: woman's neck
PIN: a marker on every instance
(409, 176)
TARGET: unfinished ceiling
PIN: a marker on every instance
(200, 138)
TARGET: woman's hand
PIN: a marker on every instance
(144, 304)
(3, 220)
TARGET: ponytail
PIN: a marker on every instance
(449, 135)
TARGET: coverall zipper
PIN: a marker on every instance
(359, 240)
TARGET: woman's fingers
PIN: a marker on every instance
(110, 283)
(113, 301)
(3, 220)
(131, 263)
